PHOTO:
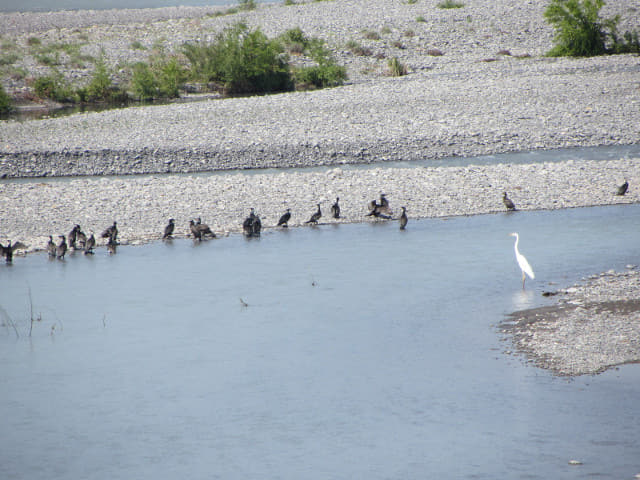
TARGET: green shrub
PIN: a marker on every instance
(137, 45)
(294, 40)
(8, 59)
(370, 35)
(48, 60)
(450, 4)
(5, 101)
(54, 87)
(396, 68)
(247, 4)
(170, 76)
(579, 31)
(100, 87)
(244, 61)
(34, 41)
(143, 82)
(320, 76)
(420, 19)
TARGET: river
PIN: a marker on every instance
(350, 351)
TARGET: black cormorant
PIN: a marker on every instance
(376, 210)
(8, 250)
(252, 225)
(112, 245)
(200, 230)
(284, 219)
(91, 242)
(508, 203)
(315, 217)
(51, 247)
(71, 238)
(384, 208)
(194, 230)
(257, 226)
(622, 189)
(111, 233)
(81, 238)
(335, 209)
(168, 230)
(61, 249)
(403, 219)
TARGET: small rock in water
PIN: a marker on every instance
(575, 462)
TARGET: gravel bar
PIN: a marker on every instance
(594, 326)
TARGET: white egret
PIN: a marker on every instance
(522, 262)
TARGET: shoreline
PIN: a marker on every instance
(33, 210)
(593, 327)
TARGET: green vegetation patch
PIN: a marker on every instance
(450, 4)
(246, 61)
(5, 101)
(581, 32)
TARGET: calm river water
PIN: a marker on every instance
(364, 352)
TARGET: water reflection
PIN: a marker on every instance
(352, 352)
(523, 300)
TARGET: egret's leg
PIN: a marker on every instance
(523, 279)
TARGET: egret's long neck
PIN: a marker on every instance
(515, 247)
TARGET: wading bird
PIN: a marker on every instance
(379, 210)
(403, 218)
(51, 247)
(622, 189)
(8, 250)
(315, 217)
(111, 233)
(284, 219)
(61, 249)
(81, 239)
(200, 230)
(91, 243)
(508, 203)
(384, 205)
(522, 261)
(335, 209)
(252, 225)
(168, 230)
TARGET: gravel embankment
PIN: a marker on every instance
(594, 326)
(471, 100)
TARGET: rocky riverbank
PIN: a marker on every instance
(489, 90)
(594, 326)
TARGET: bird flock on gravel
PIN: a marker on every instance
(251, 227)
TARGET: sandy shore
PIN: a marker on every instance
(474, 99)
